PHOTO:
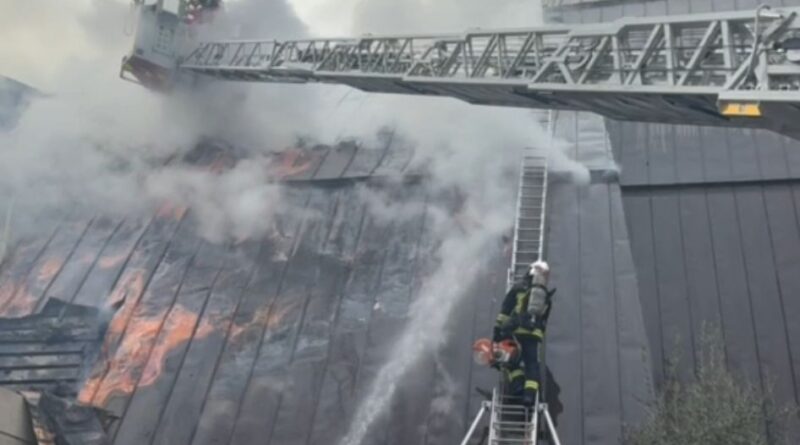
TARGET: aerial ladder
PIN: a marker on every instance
(509, 422)
(738, 68)
(717, 69)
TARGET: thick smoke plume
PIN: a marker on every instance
(100, 145)
(95, 144)
(473, 149)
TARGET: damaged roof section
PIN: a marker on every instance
(50, 350)
(345, 160)
(274, 339)
(44, 358)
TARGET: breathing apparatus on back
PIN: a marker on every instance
(540, 295)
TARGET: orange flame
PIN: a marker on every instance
(131, 354)
(107, 262)
(49, 269)
(24, 303)
(130, 286)
(8, 289)
(291, 162)
(140, 357)
(179, 328)
(15, 299)
(147, 340)
(169, 210)
(127, 292)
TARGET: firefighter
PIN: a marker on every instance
(523, 317)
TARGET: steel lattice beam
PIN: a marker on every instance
(711, 69)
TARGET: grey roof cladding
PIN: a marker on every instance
(655, 154)
(269, 341)
(714, 222)
(727, 257)
(50, 350)
(597, 347)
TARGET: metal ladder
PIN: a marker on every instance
(530, 220)
(510, 423)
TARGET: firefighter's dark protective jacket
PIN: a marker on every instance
(514, 319)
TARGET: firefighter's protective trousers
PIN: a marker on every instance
(514, 321)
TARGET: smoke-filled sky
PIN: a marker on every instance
(61, 151)
(40, 37)
(337, 17)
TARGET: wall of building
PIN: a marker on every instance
(714, 222)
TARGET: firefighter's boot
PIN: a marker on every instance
(529, 396)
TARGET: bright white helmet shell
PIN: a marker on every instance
(539, 268)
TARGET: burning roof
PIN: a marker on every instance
(258, 338)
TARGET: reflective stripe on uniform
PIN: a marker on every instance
(532, 384)
(536, 332)
(502, 318)
(517, 373)
(522, 303)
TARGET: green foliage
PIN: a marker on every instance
(716, 408)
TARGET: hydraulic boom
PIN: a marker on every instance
(732, 68)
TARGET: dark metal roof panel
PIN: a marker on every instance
(740, 264)
(49, 350)
(338, 160)
(657, 154)
(597, 347)
(213, 342)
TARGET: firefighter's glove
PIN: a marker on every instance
(498, 334)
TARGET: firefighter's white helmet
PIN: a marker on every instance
(539, 268)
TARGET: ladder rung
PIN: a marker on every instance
(517, 424)
(509, 440)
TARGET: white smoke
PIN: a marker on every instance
(345, 17)
(475, 150)
(102, 145)
(240, 203)
(97, 144)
